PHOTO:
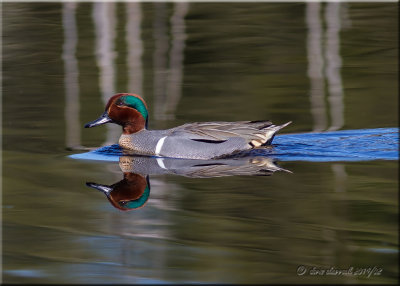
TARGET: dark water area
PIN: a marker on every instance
(321, 206)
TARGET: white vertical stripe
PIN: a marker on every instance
(161, 163)
(159, 145)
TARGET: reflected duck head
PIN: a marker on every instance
(125, 109)
(132, 192)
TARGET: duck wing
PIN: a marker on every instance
(256, 133)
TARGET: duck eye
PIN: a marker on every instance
(119, 102)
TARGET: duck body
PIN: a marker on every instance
(199, 140)
(167, 143)
(206, 140)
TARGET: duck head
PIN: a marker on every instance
(125, 109)
(128, 194)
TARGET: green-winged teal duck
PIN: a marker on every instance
(199, 140)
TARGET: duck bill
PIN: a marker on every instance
(102, 188)
(103, 119)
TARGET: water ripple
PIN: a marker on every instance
(344, 145)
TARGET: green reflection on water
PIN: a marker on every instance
(241, 61)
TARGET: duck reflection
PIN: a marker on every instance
(133, 191)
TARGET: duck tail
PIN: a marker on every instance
(284, 125)
(272, 131)
(268, 135)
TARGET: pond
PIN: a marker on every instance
(320, 206)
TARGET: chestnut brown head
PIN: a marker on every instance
(126, 109)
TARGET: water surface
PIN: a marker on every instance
(333, 146)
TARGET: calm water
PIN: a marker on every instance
(330, 68)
